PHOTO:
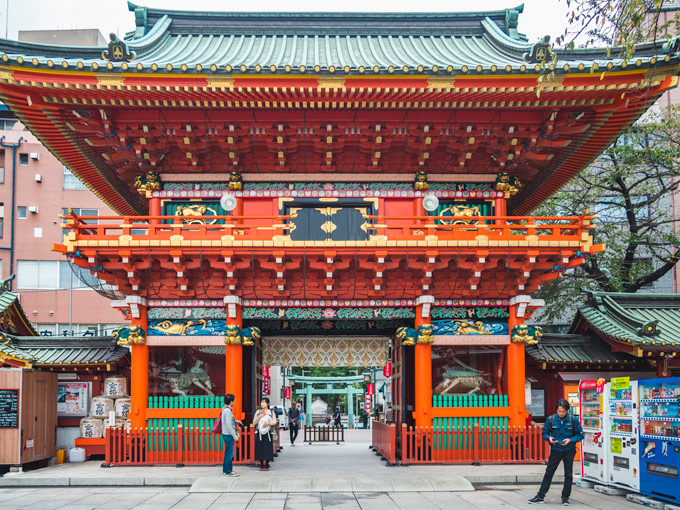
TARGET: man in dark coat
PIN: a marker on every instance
(562, 430)
(293, 423)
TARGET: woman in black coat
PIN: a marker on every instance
(264, 421)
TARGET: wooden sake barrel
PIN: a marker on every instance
(123, 405)
(101, 407)
(115, 387)
(91, 428)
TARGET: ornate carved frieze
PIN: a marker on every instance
(328, 313)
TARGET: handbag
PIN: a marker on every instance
(217, 427)
(275, 436)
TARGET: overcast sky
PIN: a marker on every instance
(541, 17)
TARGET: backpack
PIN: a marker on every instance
(217, 427)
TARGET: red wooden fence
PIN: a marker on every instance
(517, 445)
(180, 446)
(384, 440)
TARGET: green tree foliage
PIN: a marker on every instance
(618, 25)
(629, 187)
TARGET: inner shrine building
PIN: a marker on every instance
(329, 189)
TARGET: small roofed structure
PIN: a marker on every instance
(22, 347)
(645, 326)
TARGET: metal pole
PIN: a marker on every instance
(70, 301)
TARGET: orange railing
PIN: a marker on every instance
(517, 445)
(384, 440)
(515, 228)
(179, 446)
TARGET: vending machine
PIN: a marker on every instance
(623, 418)
(660, 438)
(592, 404)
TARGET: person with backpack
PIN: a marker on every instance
(230, 434)
(562, 430)
(293, 422)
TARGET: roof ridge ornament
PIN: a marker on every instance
(512, 20)
(540, 52)
(672, 45)
(118, 50)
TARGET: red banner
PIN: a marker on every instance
(286, 393)
(266, 385)
(371, 389)
(387, 370)
(265, 371)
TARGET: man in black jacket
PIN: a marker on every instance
(293, 422)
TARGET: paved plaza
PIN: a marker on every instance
(504, 497)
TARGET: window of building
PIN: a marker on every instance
(23, 159)
(7, 124)
(71, 182)
(37, 274)
(2, 220)
(22, 212)
(2, 175)
(81, 212)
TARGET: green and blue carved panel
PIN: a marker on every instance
(470, 312)
(193, 327)
(189, 312)
(469, 327)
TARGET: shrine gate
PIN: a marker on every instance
(329, 174)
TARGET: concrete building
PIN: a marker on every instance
(35, 188)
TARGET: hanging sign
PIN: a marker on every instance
(286, 393)
(369, 403)
(620, 383)
(265, 371)
(600, 385)
(266, 385)
(387, 370)
(371, 389)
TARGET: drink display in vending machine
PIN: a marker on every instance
(622, 459)
(660, 438)
(592, 402)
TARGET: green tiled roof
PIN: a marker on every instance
(53, 350)
(317, 43)
(576, 349)
(649, 320)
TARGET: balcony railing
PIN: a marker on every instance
(127, 230)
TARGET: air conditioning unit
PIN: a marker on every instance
(38, 178)
(33, 209)
(34, 155)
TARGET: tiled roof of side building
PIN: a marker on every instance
(51, 350)
(651, 321)
(322, 43)
(576, 350)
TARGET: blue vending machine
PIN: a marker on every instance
(660, 438)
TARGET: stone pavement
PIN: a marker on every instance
(504, 497)
(349, 466)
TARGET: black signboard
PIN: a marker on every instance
(9, 409)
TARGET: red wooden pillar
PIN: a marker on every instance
(139, 371)
(423, 367)
(154, 208)
(234, 357)
(515, 372)
(500, 209)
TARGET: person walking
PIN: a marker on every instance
(293, 423)
(229, 434)
(264, 420)
(337, 417)
(562, 430)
